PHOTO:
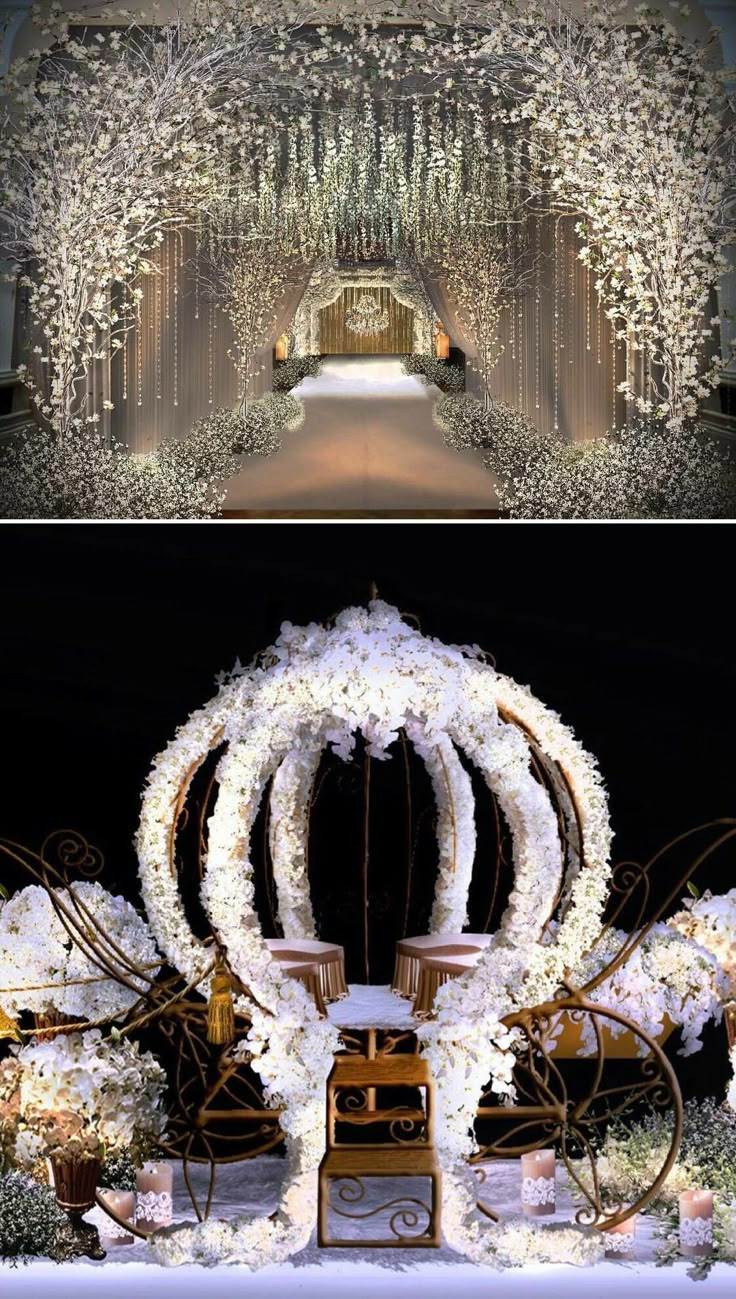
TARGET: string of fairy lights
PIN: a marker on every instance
(561, 317)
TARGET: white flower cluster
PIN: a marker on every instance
(517, 1242)
(453, 793)
(435, 370)
(646, 471)
(47, 476)
(731, 1093)
(666, 976)
(710, 921)
(371, 671)
(291, 791)
(113, 1090)
(46, 969)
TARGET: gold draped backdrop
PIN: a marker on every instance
(337, 340)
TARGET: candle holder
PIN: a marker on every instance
(538, 1183)
(154, 1185)
(620, 1239)
(75, 1184)
(122, 1203)
(696, 1223)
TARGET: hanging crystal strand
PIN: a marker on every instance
(613, 375)
(197, 242)
(561, 257)
(556, 326)
(537, 332)
(599, 341)
(521, 339)
(512, 341)
(571, 295)
(138, 353)
(210, 358)
(126, 339)
(159, 308)
(178, 248)
(587, 307)
(167, 274)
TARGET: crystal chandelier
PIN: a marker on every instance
(366, 317)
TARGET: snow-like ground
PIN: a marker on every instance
(356, 1273)
(372, 1005)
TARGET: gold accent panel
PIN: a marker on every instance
(337, 340)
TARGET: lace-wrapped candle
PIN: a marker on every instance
(538, 1183)
(123, 1204)
(154, 1184)
(696, 1223)
(620, 1239)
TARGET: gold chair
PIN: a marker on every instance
(434, 971)
(328, 956)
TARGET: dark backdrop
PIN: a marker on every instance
(113, 634)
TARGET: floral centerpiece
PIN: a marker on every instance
(79, 1094)
(667, 977)
(710, 920)
(72, 1099)
(46, 971)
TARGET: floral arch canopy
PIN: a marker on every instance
(371, 671)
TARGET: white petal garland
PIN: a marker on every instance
(291, 791)
(453, 792)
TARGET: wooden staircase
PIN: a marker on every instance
(361, 1094)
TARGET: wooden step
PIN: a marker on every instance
(381, 1116)
(384, 1071)
(393, 1161)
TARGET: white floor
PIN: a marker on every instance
(367, 443)
(356, 1273)
(372, 1005)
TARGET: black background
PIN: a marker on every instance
(113, 634)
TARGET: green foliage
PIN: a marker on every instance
(707, 1154)
(30, 1219)
(118, 1171)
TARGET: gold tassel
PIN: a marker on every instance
(220, 1012)
(8, 1027)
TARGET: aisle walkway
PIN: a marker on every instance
(367, 443)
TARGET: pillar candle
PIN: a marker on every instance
(696, 1222)
(620, 1239)
(154, 1184)
(538, 1183)
(111, 1233)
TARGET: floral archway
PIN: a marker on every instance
(443, 139)
(326, 285)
